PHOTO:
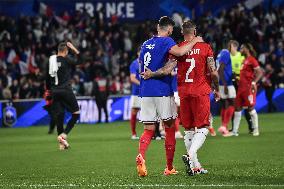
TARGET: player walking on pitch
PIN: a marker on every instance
(157, 95)
(135, 98)
(246, 96)
(196, 71)
(60, 66)
(227, 89)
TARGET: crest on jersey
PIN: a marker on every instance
(150, 46)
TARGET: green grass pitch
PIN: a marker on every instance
(103, 155)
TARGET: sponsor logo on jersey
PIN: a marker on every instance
(150, 46)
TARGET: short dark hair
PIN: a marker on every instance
(188, 27)
(62, 47)
(165, 21)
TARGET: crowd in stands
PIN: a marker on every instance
(109, 46)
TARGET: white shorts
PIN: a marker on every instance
(155, 108)
(231, 92)
(177, 99)
(135, 102)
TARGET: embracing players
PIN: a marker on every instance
(157, 95)
(196, 74)
(246, 96)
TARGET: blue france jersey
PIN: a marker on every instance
(134, 69)
(153, 55)
(224, 58)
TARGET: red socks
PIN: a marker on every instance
(170, 145)
(177, 124)
(227, 115)
(145, 140)
(222, 116)
(133, 123)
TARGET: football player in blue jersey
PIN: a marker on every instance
(157, 99)
(135, 98)
(227, 89)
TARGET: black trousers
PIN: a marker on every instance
(269, 91)
(64, 99)
(102, 104)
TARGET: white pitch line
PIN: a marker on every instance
(140, 185)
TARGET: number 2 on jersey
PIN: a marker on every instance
(192, 65)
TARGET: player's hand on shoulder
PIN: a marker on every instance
(147, 74)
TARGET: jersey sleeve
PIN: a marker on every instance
(75, 60)
(210, 52)
(224, 58)
(255, 63)
(132, 68)
(169, 43)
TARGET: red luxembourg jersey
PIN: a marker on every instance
(193, 75)
(247, 73)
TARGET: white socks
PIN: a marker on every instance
(254, 119)
(193, 142)
(237, 120)
(188, 135)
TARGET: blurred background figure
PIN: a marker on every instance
(237, 60)
(268, 82)
(101, 93)
(135, 98)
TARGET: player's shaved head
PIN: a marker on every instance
(188, 27)
(165, 22)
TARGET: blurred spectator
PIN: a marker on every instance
(101, 93)
(269, 85)
(108, 45)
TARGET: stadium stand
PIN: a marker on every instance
(108, 46)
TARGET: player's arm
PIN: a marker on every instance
(74, 61)
(214, 76)
(166, 70)
(222, 77)
(180, 51)
(258, 74)
(73, 48)
(134, 80)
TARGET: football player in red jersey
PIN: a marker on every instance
(246, 96)
(196, 74)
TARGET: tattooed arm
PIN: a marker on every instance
(166, 70)
(214, 77)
